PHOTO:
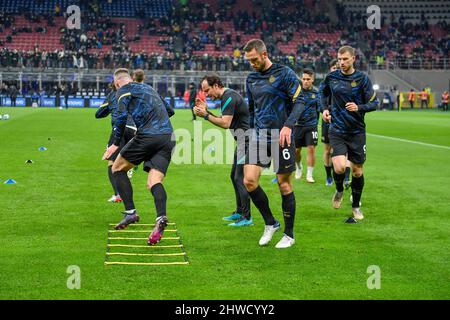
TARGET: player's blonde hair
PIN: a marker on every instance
(121, 72)
(348, 49)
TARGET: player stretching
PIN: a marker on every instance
(152, 144)
(275, 105)
(352, 96)
(305, 131)
(235, 117)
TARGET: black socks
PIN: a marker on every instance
(261, 201)
(347, 173)
(112, 180)
(357, 188)
(339, 180)
(328, 171)
(160, 198)
(125, 189)
(288, 205)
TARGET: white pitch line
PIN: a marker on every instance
(409, 141)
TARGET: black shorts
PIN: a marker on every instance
(305, 136)
(262, 153)
(325, 132)
(127, 136)
(154, 151)
(352, 145)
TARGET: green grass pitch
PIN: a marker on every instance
(57, 215)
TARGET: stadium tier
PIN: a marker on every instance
(34, 34)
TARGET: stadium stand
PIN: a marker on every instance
(162, 34)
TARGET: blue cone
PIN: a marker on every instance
(42, 148)
(10, 181)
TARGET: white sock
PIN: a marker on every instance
(299, 165)
(310, 171)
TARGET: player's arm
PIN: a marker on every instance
(224, 121)
(369, 97)
(251, 107)
(169, 109)
(294, 89)
(104, 110)
(123, 99)
(324, 98)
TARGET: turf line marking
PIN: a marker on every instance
(147, 263)
(146, 254)
(150, 247)
(125, 238)
(409, 141)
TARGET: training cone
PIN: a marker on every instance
(10, 181)
(351, 220)
(42, 148)
(29, 161)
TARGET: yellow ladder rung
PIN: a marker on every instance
(125, 238)
(146, 254)
(138, 246)
(137, 231)
(146, 263)
(141, 224)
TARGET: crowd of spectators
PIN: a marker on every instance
(186, 30)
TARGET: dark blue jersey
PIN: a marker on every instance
(309, 116)
(147, 109)
(110, 106)
(274, 98)
(342, 89)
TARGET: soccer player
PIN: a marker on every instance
(305, 131)
(235, 116)
(153, 144)
(138, 75)
(352, 96)
(275, 105)
(325, 128)
(110, 107)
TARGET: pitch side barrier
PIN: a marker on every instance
(82, 102)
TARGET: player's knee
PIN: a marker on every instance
(357, 172)
(250, 184)
(338, 168)
(285, 187)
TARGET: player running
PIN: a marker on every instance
(352, 96)
(305, 131)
